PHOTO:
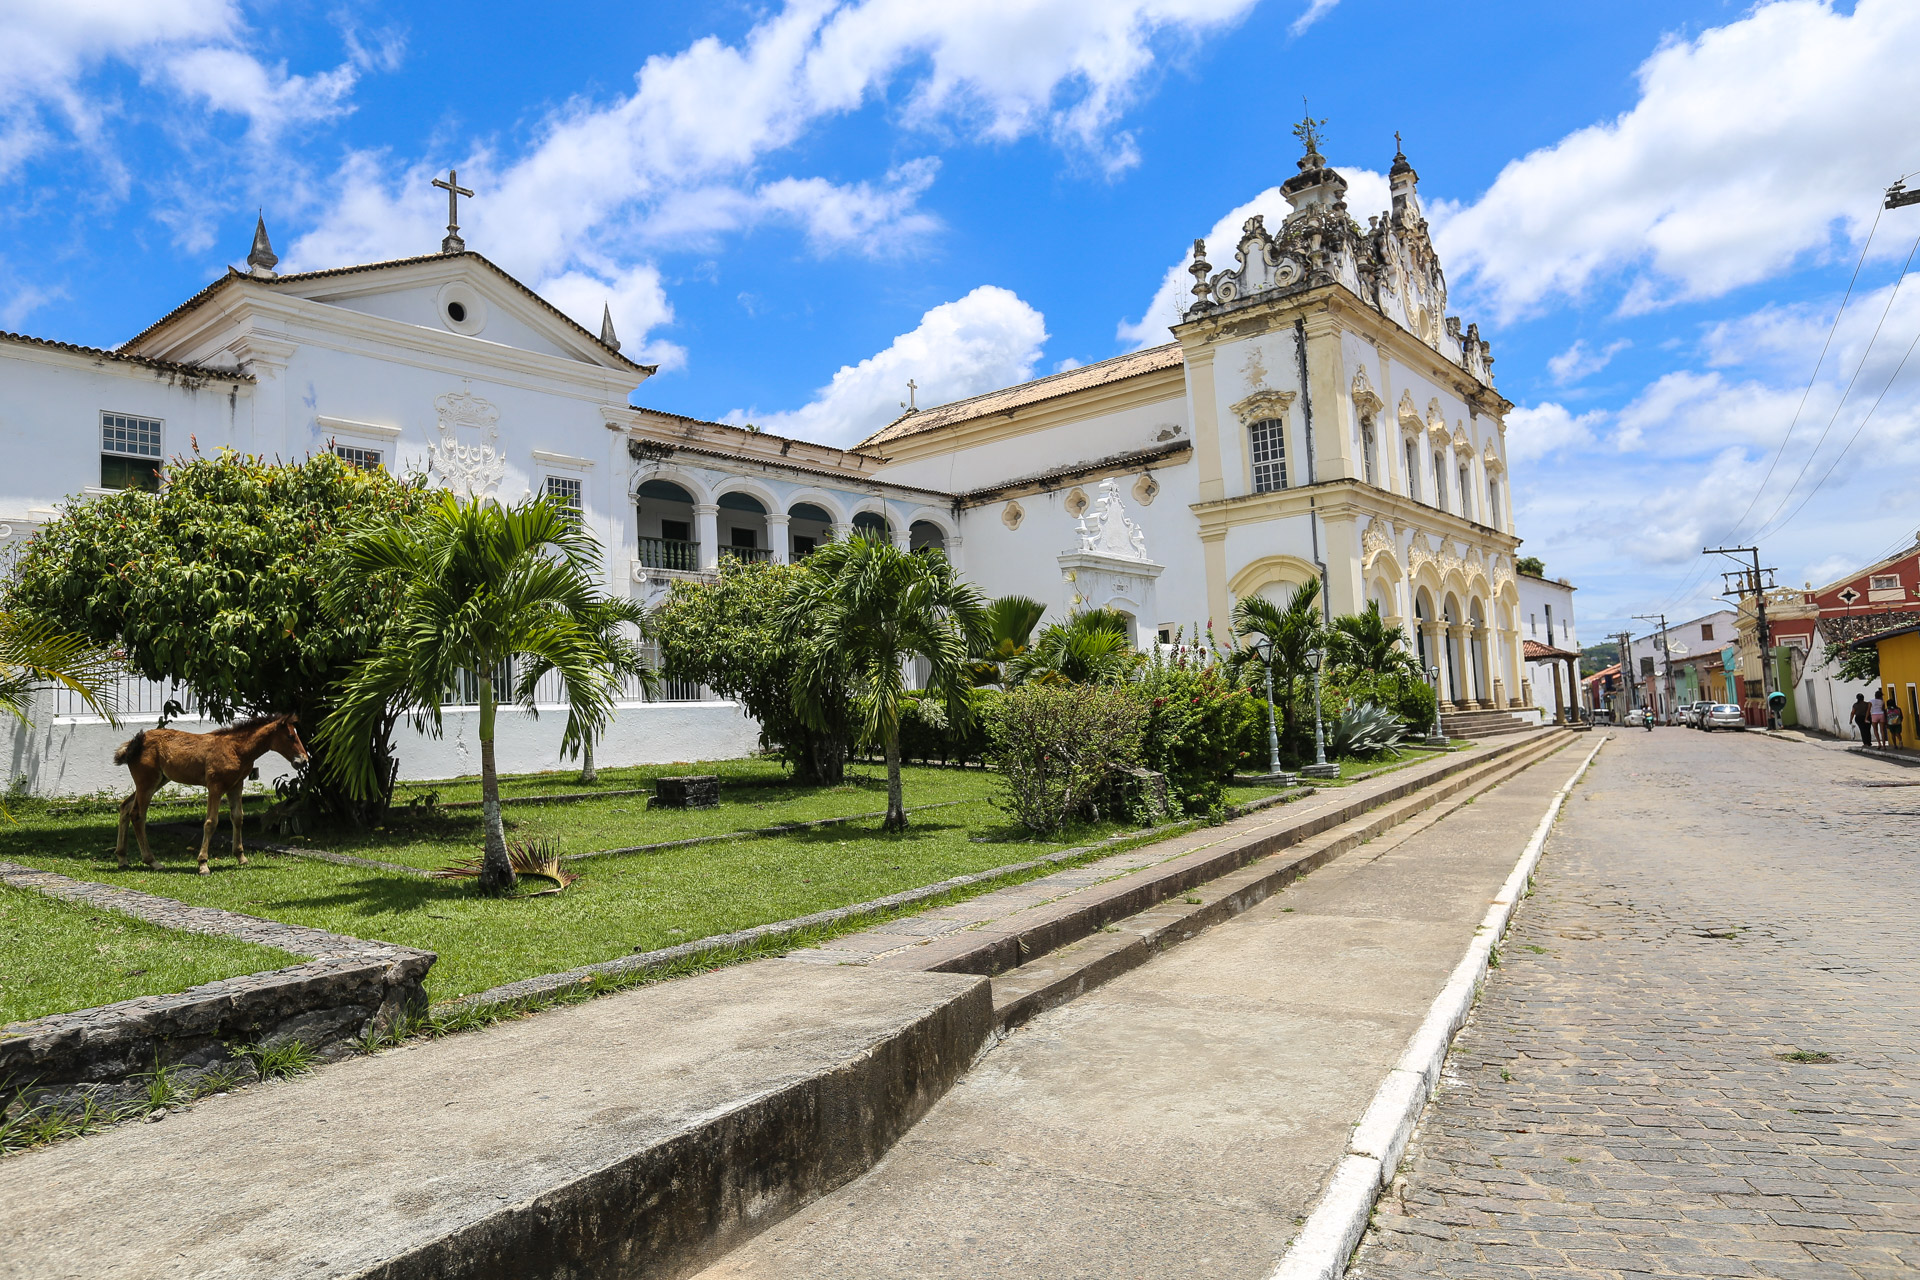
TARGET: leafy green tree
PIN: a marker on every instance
(219, 584)
(1532, 565)
(620, 627)
(732, 635)
(1292, 630)
(1010, 621)
(1364, 640)
(870, 608)
(34, 654)
(480, 584)
(1091, 647)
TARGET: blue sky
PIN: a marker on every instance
(1652, 210)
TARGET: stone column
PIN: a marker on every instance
(953, 554)
(1559, 702)
(706, 533)
(779, 538)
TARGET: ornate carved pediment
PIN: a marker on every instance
(473, 466)
(1419, 551)
(1375, 541)
(1461, 445)
(1365, 398)
(1105, 529)
(1262, 404)
(1491, 461)
(1409, 416)
(1502, 574)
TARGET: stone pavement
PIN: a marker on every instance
(1180, 1120)
(1624, 1101)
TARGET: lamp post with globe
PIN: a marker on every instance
(1317, 658)
(1435, 738)
(1263, 650)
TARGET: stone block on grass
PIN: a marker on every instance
(693, 791)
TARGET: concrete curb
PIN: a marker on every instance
(1335, 1227)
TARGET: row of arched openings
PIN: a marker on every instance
(669, 534)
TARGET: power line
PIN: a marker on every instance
(1850, 439)
(1858, 370)
(1812, 377)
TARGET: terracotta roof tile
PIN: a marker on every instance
(126, 357)
(1086, 377)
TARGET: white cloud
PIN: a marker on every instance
(1367, 193)
(1581, 361)
(1536, 431)
(986, 340)
(637, 300)
(678, 161)
(1749, 148)
(1316, 10)
(47, 48)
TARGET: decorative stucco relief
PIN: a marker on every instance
(1365, 398)
(1262, 404)
(474, 469)
(1077, 503)
(1375, 541)
(1106, 530)
(1012, 514)
(1146, 489)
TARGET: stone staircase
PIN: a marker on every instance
(1475, 725)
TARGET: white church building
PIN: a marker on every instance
(1315, 414)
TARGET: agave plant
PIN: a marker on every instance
(1364, 730)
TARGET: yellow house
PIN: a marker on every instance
(1900, 670)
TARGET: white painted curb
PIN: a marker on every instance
(1333, 1230)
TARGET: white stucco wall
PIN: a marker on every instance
(71, 756)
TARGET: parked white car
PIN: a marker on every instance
(1693, 713)
(1723, 715)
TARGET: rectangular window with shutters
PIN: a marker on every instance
(564, 491)
(1439, 481)
(1366, 450)
(1884, 582)
(1413, 471)
(1268, 438)
(354, 455)
(129, 452)
(1466, 493)
(1706, 631)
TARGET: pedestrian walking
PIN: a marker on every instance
(1894, 722)
(1877, 712)
(1861, 713)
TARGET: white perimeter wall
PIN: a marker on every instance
(69, 756)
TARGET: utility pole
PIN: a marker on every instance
(1666, 656)
(1626, 665)
(1898, 195)
(1750, 582)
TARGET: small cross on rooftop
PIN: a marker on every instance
(453, 243)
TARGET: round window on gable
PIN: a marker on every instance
(462, 309)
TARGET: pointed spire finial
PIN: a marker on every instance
(261, 261)
(607, 337)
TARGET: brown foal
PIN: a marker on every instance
(219, 761)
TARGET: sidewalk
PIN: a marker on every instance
(1181, 1120)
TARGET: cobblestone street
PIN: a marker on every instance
(1701, 1054)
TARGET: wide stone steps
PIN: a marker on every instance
(1475, 725)
(1072, 968)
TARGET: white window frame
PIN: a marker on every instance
(1268, 436)
(359, 455)
(1439, 480)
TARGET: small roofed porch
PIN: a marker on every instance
(1566, 699)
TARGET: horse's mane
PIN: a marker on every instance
(251, 723)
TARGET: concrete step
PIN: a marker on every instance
(1071, 969)
(1024, 934)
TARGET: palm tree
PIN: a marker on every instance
(479, 584)
(608, 620)
(1091, 647)
(1364, 640)
(873, 609)
(35, 653)
(1010, 621)
(1292, 630)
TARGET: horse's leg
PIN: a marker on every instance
(211, 825)
(142, 797)
(233, 810)
(127, 808)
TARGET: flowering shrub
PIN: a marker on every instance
(1200, 726)
(1060, 749)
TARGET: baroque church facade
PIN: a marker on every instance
(1315, 414)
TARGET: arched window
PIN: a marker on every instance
(1439, 481)
(1269, 442)
(1413, 471)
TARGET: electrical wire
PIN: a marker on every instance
(1857, 371)
(1814, 376)
(1838, 458)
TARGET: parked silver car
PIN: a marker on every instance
(1723, 715)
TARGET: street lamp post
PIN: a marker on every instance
(1435, 738)
(1263, 649)
(1316, 658)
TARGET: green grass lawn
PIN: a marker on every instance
(620, 903)
(57, 956)
(753, 794)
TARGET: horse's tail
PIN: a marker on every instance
(130, 748)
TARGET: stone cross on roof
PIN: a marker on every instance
(453, 243)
